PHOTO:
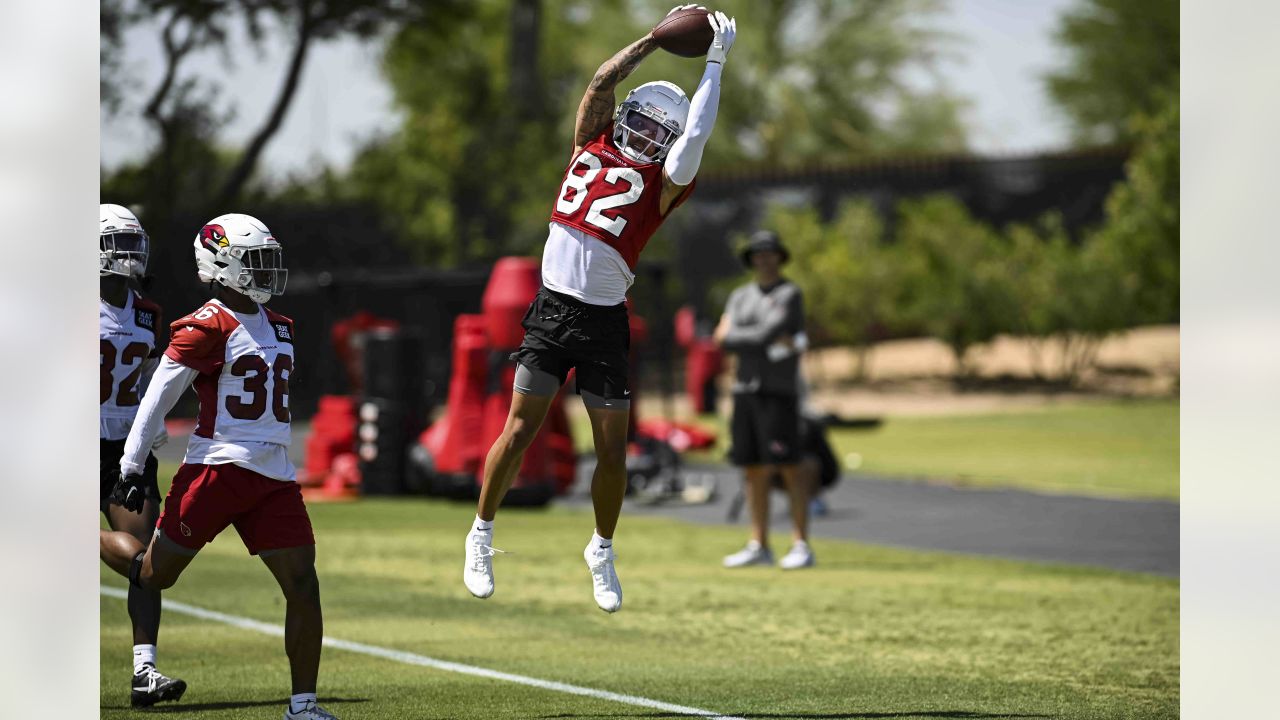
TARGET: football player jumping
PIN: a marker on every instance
(239, 355)
(127, 334)
(631, 166)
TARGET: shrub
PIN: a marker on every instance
(955, 280)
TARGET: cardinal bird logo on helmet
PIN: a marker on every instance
(213, 237)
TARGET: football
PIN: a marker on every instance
(685, 33)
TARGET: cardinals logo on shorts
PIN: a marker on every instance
(213, 237)
(186, 531)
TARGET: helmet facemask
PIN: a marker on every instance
(123, 253)
(262, 273)
(643, 133)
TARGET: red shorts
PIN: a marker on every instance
(205, 499)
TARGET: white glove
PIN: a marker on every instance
(684, 7)
(725, 29)
(780, 351)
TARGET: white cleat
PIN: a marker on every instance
(799, 556)
(753, 554)
(604, 579)
(311, 712)
(477, 575)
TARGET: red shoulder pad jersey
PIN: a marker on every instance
(244, 362)
(611, 197)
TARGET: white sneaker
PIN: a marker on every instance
(477, 575)
(753, 554)
(604, 579)
(799, 556)
(311, 712)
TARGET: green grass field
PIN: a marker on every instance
(1124, 449)
(870, 633)
(1113, 449)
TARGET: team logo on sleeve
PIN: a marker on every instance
(213, 237)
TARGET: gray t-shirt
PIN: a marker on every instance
(758, 317)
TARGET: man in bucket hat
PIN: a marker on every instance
(763, 324)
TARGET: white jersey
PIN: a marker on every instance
(126, 339)
(584, 267)
(243, 364)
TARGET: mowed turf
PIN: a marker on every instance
(1108, 449)
(870, 633)
(1121, 449)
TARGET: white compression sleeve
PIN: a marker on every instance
(168, 383)
(686, 154)
(148, 371)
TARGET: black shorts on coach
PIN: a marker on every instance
(110, 452)
(563, 333)
(765, 429)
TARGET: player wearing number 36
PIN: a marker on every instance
(631, 166)
(239, 357)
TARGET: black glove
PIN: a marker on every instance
(129, 493)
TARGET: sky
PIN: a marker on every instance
(1003, 48)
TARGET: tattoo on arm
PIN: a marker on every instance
(596, 109)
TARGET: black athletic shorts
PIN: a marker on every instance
(561, 332)
(109, 470)
(765, 430)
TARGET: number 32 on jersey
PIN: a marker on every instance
(579, 186)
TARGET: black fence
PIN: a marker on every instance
(996, 190)
(423, 301)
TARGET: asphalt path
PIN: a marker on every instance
(1130, 535)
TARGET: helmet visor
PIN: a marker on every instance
(124, 253)
(125, 242)
(644, 135)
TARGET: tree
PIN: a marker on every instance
(1122, 56)
(111, 24)
(826, 82)
(188, 111)
(469, 176)
(188, 174)
(1141, 230)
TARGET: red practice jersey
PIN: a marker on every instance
(611, 197)
(244, 361)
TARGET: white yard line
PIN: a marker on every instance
(409, 658)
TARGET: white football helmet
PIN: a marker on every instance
(659, 107)
(123, 246)
(238, 251)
